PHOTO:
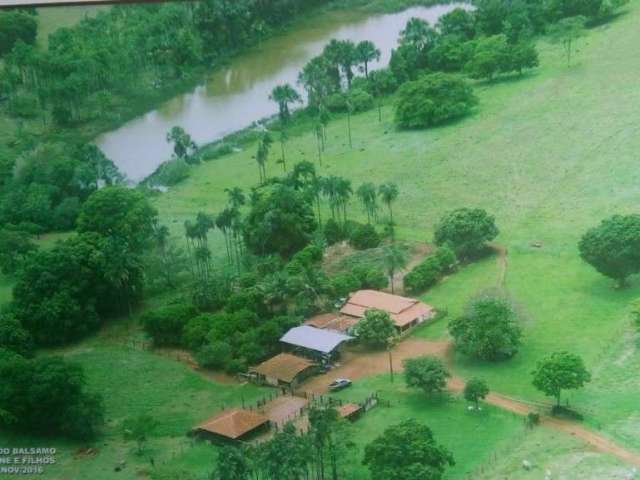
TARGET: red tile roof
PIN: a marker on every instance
(233, 423)
(402, 310)
(283, 367)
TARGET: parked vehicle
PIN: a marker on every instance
(339, 384)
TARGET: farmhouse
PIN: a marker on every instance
(405, 312)
(284, 369)
(232, 425)
(332, 321)
(315, 342)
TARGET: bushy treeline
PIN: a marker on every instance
(134, 48)
(46, 191)
(46, 396)
(427, 273)
(66, 291)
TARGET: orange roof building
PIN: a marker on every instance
(284, 369)
(405, 312)
(235, 424)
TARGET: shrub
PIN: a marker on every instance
(433, 99)
(429, 271)
(488, 330)
(382, 82)
(345, 283)
(216, 355)
(361, 100)
(194, 333)
(466, 231)
(165, 325)
(24, 106)
(216, 151)
(376, 328)
(371, 277)
(363, 237)
(173, 172)
(333, 232)
(336, 102)
(309, 255)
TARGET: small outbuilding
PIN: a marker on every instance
(349, 411)
(283, 370)
(315, 341)
(232, 425)
(405, 312)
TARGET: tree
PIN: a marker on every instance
(459, 22)
(139, 429)
(286, 456)
(281, 221)
(407, 451)
(426, 373)
(475, 390)
(233, 464)
(14, 248)
(13, 336)
(376, 328)
(15, 27)
(262, 155)
(367, 194)
(488, 329)
(613, 247)
(394, 259)
(389, 192)
(567, 32)
(119, 212)
(366, 52)
(432, 100)
(489, 57)
(466, 230)
(560, 371)
(284, 95)
(184, 147)
(60, 292)
(47, 395)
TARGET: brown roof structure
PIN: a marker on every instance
(233, 423)
(348, 409)
(283, 366)
(332, 321)
(402, 310)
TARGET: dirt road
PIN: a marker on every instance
(356, 365)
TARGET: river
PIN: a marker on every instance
(235, 96)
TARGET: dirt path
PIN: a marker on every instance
(356, 365)
(503, 262)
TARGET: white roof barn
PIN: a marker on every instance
(305, 336)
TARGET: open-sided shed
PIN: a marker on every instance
(232, 425)
(315, 341)
(284, 369)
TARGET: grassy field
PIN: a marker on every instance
(52, 18)
(134, 382)
(549, 154)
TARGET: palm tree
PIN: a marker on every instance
(394, 259)
(389, 193)
(236, 197)
(223, 222)
(367, 194)
(283, 95)
(329, 187)
(122, 268)
(283, 140)
(343, 191)
(262, 155)
(366, 52)
(349, 112)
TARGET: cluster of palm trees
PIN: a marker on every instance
(229, 222)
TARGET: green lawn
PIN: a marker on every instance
(549, 154)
